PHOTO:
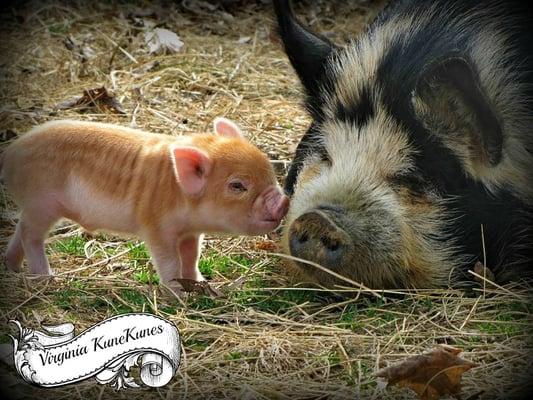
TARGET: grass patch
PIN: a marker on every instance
(273, 302)
(145, 274)
(233, 356)
(228, 266)
(138, 253)
(202, 303)
(132, 301)
(138, 257)
(196, 344)
(73, 246)
(78, 296)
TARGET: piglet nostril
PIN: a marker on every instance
(303, 237)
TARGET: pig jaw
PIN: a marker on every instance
(268, 210)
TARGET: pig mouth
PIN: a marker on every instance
(264, 226)
(272, 208)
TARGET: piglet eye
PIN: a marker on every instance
(237, 186)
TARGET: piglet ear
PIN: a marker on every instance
(191, 166)
(225, 127)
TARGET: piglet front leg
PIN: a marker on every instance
(163, 249)
(189, 251)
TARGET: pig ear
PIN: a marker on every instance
(191, 166)
(225, 127)
(453, 95)
(307, 51)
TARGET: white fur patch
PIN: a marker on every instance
(98, 211)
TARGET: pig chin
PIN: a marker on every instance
(260, 227)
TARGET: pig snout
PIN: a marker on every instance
(269, 208)
(276, 204)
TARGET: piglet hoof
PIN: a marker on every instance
(177, 290)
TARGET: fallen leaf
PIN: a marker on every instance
(481, 270)
(202, 287)
(84, 52)
(162, 40)
(431, 375)
(244, 39)
(98, 97)
(266, 245)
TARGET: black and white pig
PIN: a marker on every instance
(421, 139)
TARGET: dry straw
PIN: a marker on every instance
(267, 338)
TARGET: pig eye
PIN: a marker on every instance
(416, 184)
(237, 187)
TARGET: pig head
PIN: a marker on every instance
(230, 184)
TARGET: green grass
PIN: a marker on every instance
(233, 356)
(504, 324)
(228, 266)
(273, 302)
(510, 319)
(349, 318)
(76, 296)
(138, 253)
(73, 246)
(59, 29)
(203, 303)
(197, 344)
(169, 309)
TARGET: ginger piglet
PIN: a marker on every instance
(166, 190)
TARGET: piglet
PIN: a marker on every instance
(166, 190)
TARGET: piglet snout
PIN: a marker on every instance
(274, 204)
(277, 204)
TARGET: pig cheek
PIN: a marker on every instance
(236, 215)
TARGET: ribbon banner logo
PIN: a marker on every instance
(106, 351)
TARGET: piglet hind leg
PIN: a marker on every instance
(189, 251)
(34, 226)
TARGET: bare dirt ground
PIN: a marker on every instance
(268, 337)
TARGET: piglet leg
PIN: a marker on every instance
(15, 252)
(166, 259)
(33, 229)
(189, 250)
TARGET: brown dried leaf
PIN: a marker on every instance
(481, 270)
(431, 375)
(202, 287)
(98, 97)
(266, 245)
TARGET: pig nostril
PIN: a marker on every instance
(330, 244)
